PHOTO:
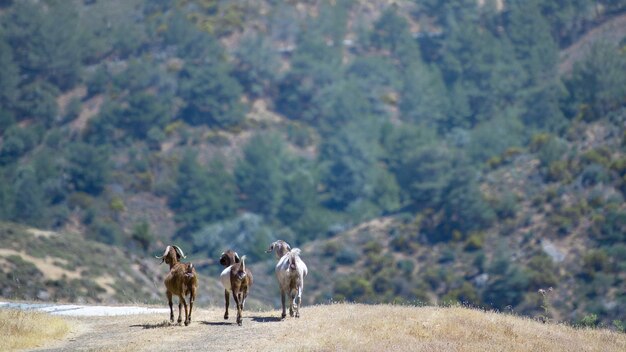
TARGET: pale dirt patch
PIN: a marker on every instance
(107, 283)
(64, 99)
(90, 108)
(42, 233)
(46, 265)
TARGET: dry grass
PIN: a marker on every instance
(26, 329)
(354, 327)
(337, 327)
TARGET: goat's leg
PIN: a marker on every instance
(181, 299)
(226, 302)
(192, 297)
(169, 300)
(298, 302)
(292, 296)
(282, 301)
(238, 300)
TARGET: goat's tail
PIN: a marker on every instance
(243, 263)
(295, 251)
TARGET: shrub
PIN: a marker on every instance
(474, 242)
(600, 156)
(347, 256)
(558, 171)
(589, 321)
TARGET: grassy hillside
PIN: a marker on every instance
(417, 151)
(64, 267)
(562, 230)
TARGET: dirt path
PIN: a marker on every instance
(152, 332)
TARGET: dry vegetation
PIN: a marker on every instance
(396, 328)
(25, 329)
(339, 327)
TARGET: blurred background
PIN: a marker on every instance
(418, 152)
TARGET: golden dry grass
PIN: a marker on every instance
(26, 329)
(355, 327)
(337, 327)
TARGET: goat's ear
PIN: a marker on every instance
(237, 259)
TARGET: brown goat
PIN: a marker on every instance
(236, 279)
(180, 281)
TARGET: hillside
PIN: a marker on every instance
(64, 267)
(419, 152)
(345, 327)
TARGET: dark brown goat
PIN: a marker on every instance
(180, 281)
(236, 279)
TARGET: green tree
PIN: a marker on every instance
(201, 195)
(349, 173)
(391, 33)
(537, 52)
(9, 76)
(211, 95)
(17, 141)
(314, 67)
(424, 97)
(257, 65)
(464, 207)
(260, 176)
(144, 111)
(29, 203)
(37, 100)
(7, 194)
(46, 39)
(507, 282)
(599, 81)
(300, 195)
(87, 167)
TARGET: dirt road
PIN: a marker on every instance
(152, 332)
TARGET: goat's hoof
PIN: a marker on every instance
(225, 316)
(187, 323)
(283, 316)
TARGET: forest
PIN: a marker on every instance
(234, 123)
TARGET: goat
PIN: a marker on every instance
(180, 281)
(237, 279)
(281, 248)
(290, 272)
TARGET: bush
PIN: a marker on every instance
(347, 256)
(589, 321)
(474, 242)
(594, 174)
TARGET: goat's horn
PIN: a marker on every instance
(167, 249)
(180, 252)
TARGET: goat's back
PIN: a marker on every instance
(177, 281)
(285, 275)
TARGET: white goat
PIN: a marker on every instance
(290, 272)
